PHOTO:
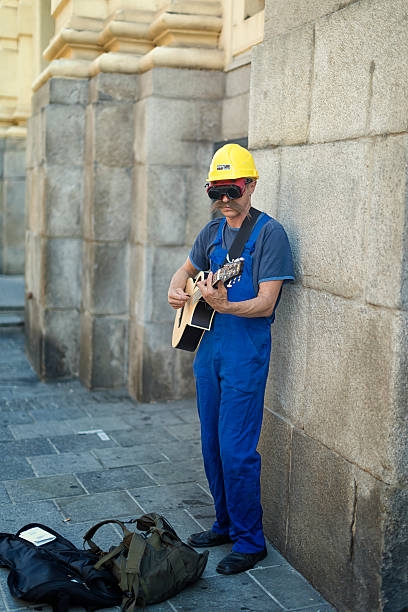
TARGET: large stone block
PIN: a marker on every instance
(182, 83)
(321, 507)
(106, 278)
(154, 267)
(281, 79)
(64, 193)
(323, 200)
(64, 134)
(283, 15)
(266, 194)
(287, 371)
(14, 164)
(113, 134)
(106, 87)
(109, 352)
(61, 343)
(349, 402)
(14, 213)
(108, 206)
(161, 200)
(237, 81)
(198, 208)
(394, 574)
(63, 265)
(275, 450)
(152, 362)
(60, 91)
(235, 117)
(386, 254)
(359, 59)
(160, 121)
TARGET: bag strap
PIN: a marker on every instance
(91, 532)
(130, 572)
(244, 233)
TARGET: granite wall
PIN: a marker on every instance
(328, 128)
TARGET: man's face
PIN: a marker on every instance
(232, 207)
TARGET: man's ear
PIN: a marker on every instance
(251, 187)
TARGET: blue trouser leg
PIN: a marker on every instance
(208, 402)
(239, 428)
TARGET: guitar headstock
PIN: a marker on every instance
(230, 270)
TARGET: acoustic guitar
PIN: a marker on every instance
(196, 316)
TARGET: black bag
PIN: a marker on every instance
(151, 567)
(56, 572)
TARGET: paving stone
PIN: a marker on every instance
(98, 409)
(107, 423)
(170, 473)
(55, 411)
(27, 448)
(43, 488)
(115, 479)
(80, 442)
(8, 416)
(181, 452)
(98, 506)
(160, 419)
(288, 587)
(222, 592)
(132, 437)
(14, 467)
(132, 455)
(188, 431)
(65, 463)
(4, 498)
(15, 516)
(171, 497)
(43, 429)
(5, 433)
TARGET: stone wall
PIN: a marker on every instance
(12, 205)
(116, 169)
(328, 127)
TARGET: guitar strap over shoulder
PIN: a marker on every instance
(242, 236)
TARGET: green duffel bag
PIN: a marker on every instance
(150, 566)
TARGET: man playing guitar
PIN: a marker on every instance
(232, 361)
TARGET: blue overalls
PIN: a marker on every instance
(231, 368)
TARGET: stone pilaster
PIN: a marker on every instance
(55, 167)
(177, 119)
(12, 205)
(333, 151)
(106, 228)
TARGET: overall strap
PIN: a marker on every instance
(262, 220)
(218, 239)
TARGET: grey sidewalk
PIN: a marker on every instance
(149, 460)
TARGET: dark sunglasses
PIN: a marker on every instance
(232, 190)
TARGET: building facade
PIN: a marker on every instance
(116, 107)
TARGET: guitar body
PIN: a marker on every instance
(196, 315)
(193, 319)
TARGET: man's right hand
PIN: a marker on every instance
(177, 298)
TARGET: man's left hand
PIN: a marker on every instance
(216, 297)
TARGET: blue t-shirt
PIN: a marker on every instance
(271, 258)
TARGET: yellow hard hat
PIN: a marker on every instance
(231, 162)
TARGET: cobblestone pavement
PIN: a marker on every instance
(57, 464)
